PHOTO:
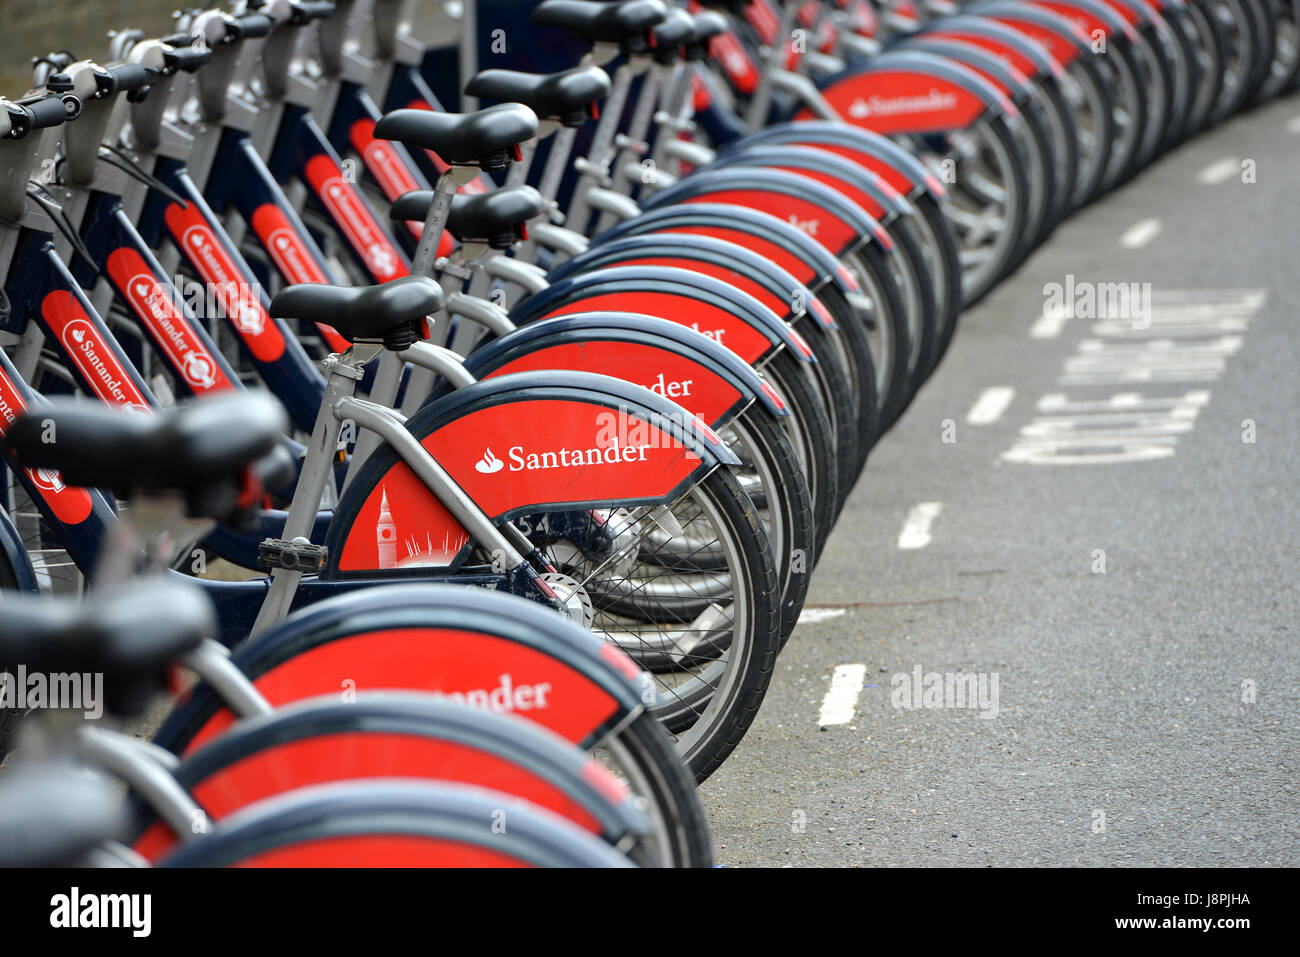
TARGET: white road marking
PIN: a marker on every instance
(1187, 336)
(916, 530)
(812, 616)
(1220, 171)
(1293, 125)
(1049, 324)
(1140, 233)
(842, 696)
(988, 408)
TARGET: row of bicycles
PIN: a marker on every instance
(457, 477)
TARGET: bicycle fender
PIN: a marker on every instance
(1006, 78)
(452, 639)
(775, 240)
(394, 734)
(865, 188)
(726, 315)
(674, 361)
(726, 261)
(507, 443)
(877, 152)
(1088, 16)
(315, 826)
(1025, 54)
(813, 208)
(902, 91)
(1064, 40)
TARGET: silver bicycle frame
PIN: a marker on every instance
(340, 405)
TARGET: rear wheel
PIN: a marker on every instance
(987, 198)
(1286, 50)
(690, 591)
(770, 475)
(1242, 31)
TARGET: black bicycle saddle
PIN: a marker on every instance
(487, 138)
(497, 218)
(566, 96)
(708, 24)
(628, 23)
(129, 633)
(53, 813)
(673, 34)
(393, 313)
(202, 449)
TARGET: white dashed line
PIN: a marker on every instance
(1049, 324)
(1293, 125)
(988, 408)
(1140, 233)
(842, 696)
(916, 530)
(812, 616)
(1220, 171)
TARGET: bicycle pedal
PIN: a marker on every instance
(295, 556)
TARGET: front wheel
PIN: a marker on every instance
(690, 591)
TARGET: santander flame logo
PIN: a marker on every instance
(489, 463)
(48, 479)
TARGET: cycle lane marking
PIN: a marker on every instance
(1183, 338)
(1220, 171)
(1050, 323)
(841, 700)
(813, 616)
(916, 528)
(1140, 233)
(990, 405)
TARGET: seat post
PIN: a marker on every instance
(426, 253)
(388, 375)
(341, 376)
(595, 168)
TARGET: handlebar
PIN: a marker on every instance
(247, 26)
(42, 112)
(306, 11)
(124, 78)
(184, 55)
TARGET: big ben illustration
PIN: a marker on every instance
(386, 534)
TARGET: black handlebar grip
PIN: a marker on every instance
(128, 77)
(179, 40)
(251, 25)
(50, 111)
(310, 10)
(187, 58)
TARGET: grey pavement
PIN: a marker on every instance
(1148, 712)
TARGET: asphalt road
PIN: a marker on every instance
(1139, 612)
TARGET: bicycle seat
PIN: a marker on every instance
(394, 312)
(129, 634)
(627, 24)
(497, 218)
(673, 34)
(736, 7)
(198, 448)
(566, 96)
(487, 138)
(53, 813)
(708, 24)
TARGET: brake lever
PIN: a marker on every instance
(118, 159)
(61, 223)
